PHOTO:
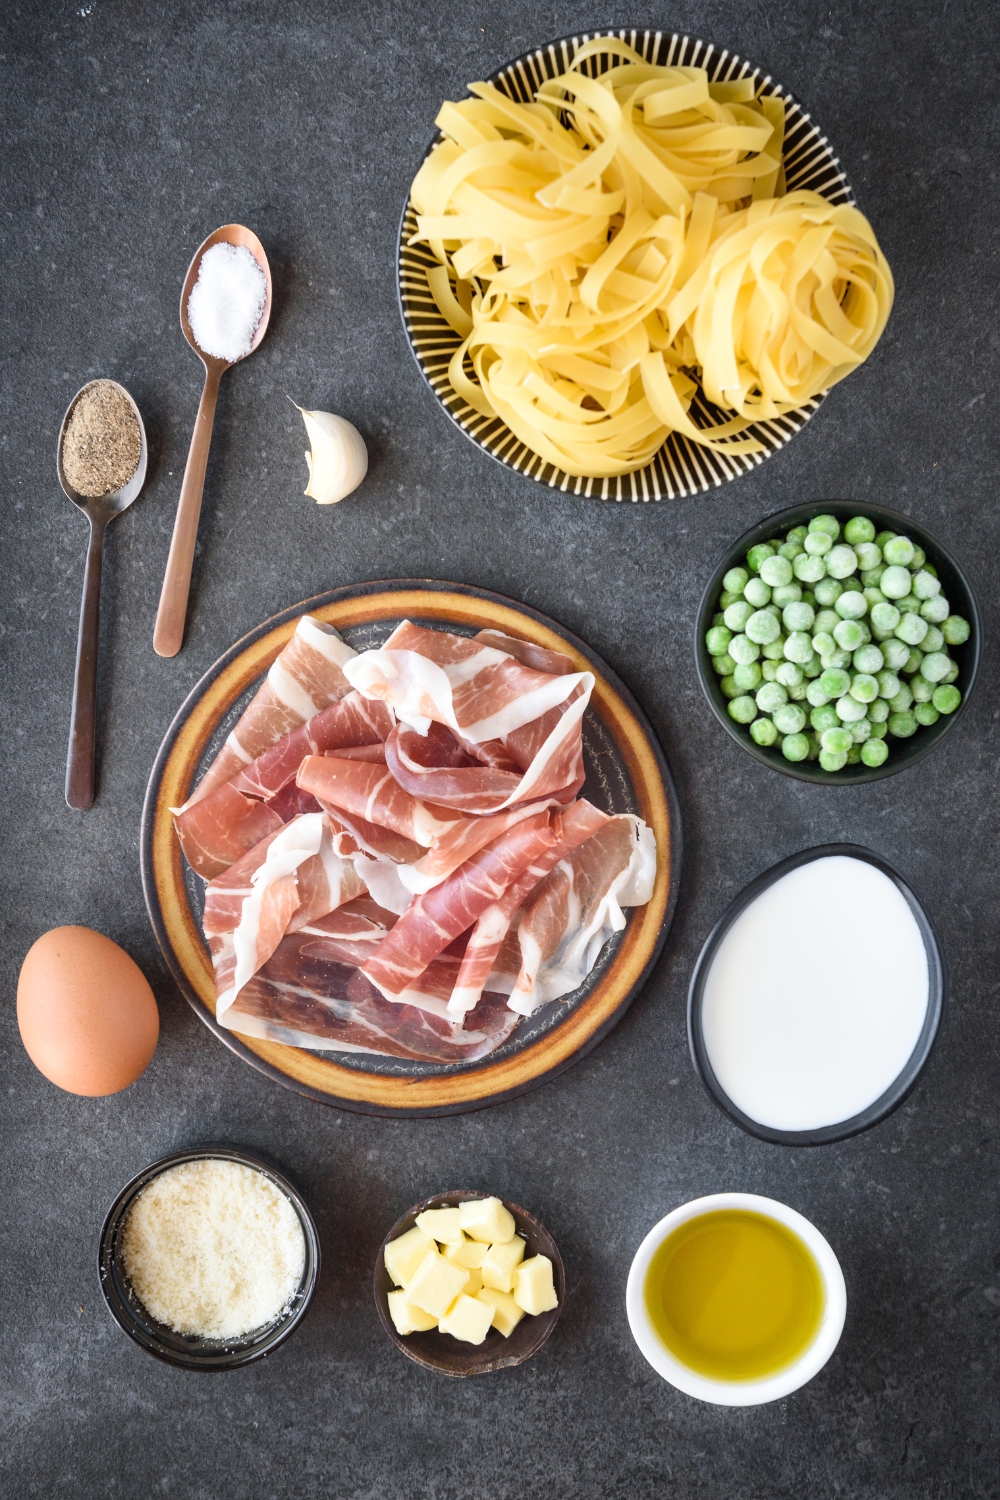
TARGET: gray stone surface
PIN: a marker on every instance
(132, 130)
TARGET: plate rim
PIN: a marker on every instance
(256, 1052)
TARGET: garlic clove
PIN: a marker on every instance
(339, 459)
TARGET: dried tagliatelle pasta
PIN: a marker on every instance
(622, 239)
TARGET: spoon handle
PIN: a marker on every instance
(169, 631)
(80, 760)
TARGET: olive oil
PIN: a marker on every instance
(734, 1295)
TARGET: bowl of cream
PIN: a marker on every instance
(817, 997)
(208, 1258)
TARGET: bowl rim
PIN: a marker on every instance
(906, 1079)
(810, 771)
(738, 1392)
(544, 1322)
(233, 1354)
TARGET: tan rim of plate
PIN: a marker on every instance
(487, 1082)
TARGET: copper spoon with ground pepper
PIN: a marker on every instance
(99, 511)
(168, 633)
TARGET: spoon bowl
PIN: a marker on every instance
(99, 510)
(169, 631)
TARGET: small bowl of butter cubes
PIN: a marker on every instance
(465, 1284)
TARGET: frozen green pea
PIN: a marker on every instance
(824, 643)
(817, 544)
(837, 739)
(717, 639)
(726, 599)
(935, 610)
(789, 718)
(825, 621)
(848, 635)
(908, 605)
(880, 730)
(872, 577)
(797, 694)
(815, 694)
(952, 673)
(841, 562)
(896, 654)
(763, 732)
(935, 666)
(835, 683)
(849, 710)
(859, 529)
(786, 593)
(743, 710)
(851, 605)
(724, 664)
(798, 647)
(885, 616)
(922, 690)
(925, 586)
(918, 560)
(888, 684)
(878, 711)
(868, 659)
(836, 659)
(926, 714)
(737, 614)
(873, 596)
(743, 650)
(883, 537)
(874, 753)
(790, 550)
(769, 670)
(762, 628)
(895, 582)
(730, 687)
(946, 698)
(798, 616)
(854, 755)
(735, 581)
(955, 630)
(864, 687)
(866, 635)
(902, 725)
(869, 556)
(901, 702)
(797, 534)
(933, 640)
(775, 650)
(828, 591)
(757, 593)
(775, 571)
(927, 567)
(809, 569)
(911, 629)
(813, 667)
(757, 555)
(771, 696)
(748, 678)
(898, 552)
(788, 674)
(852, 585)
(795, 746)
(833, 760)
(913, 661)
(718, 619)
(823, 717)
(813, 747)
(825, 526)
(860, 731)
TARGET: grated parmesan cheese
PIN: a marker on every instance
(213, 1248)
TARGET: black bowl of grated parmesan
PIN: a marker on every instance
(208, 1258)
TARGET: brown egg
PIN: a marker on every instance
(86, 1013)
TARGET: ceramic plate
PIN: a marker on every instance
(626, 772)
(680, 467)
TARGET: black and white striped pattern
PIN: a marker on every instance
(680, 467)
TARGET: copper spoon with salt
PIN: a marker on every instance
(169, 631)
(99, 511)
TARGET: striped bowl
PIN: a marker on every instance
(681, 467)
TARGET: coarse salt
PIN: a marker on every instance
(213, 1248)
(226, 301)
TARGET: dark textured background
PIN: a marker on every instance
(130, 131)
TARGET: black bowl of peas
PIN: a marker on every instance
(838, 641)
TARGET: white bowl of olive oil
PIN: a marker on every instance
(736, 1299)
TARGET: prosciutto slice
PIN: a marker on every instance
(221, 826)
(571, 914)
(306, 676)
(371, 792)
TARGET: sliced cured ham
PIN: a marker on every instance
(222, 825)
(554, 662)
(571, 914)
(305, 677)
(433, 920)
(371, 792)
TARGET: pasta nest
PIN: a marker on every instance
(624, 239)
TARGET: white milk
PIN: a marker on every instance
(816, 995)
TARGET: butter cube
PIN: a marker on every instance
(435, 1284)
(403, 1255)
(533, 1286)
(469, 1254)
(407, 1318)
(441, 1224)
(498, 1267)
(486, 1220)
(467, 1319)
(474, 1285)
(506, 1313)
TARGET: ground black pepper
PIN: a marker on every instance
(102, 443)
